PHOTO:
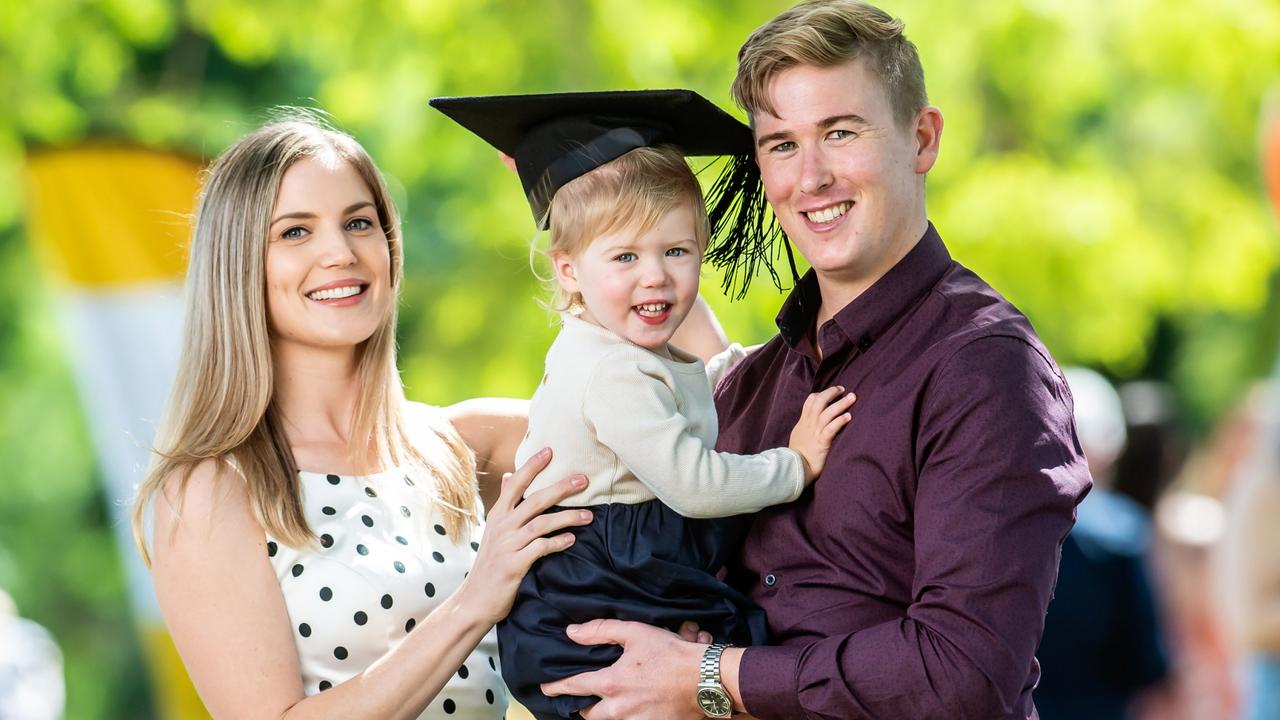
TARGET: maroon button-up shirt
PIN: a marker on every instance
(911, 579)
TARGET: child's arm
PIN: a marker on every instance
(632, 406)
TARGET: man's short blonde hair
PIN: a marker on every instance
(634, 190)
(825, 33)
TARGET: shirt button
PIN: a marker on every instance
(864, 344)
(770, 580)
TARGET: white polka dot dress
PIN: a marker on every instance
(383, 563)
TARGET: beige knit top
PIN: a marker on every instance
(641, 426)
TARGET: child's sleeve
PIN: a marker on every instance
(632, 409)
(724, 361)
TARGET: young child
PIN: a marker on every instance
(618, 402)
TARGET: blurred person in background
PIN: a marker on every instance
(1250, 563)
(1155, 445)
(31, 686)
(1102, 643)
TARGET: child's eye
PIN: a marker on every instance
(677, 252)
(626, 257)
(359, 224)
(296, 232)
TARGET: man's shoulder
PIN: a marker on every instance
(970, 316)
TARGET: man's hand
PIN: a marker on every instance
(655, 679)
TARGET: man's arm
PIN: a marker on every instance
(1000, 476)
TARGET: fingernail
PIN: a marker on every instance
(585, 514)
(579, 481)
(544, 452)
(573, 629)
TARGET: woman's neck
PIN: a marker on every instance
(315, 394)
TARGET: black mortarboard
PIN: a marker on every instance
(557, 137)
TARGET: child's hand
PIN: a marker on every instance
(823, 415)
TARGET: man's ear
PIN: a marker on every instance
(928, 135)
(566, 273)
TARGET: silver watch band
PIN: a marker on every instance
(709, 670)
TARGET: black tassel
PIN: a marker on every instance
(744, 233)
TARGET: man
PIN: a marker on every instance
(911, 580)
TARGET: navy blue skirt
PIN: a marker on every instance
(642, 562)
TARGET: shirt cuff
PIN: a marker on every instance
(767, 681)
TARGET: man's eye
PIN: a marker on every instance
(842, 134)
(783, 147)
(359, 224)
(626, 257)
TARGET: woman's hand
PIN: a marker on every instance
(514, 536)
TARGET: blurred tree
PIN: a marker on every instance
(1098, 167)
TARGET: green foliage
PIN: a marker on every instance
(1098, 167)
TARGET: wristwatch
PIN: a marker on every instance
(712, 698)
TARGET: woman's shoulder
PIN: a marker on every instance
(200, 497)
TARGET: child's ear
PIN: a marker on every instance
(566, 273)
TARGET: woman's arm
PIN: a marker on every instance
(493, 429)
(223, 606)
(700, 334)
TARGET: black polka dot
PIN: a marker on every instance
(399, 566)
(297, 569)
(369, 491)
(440, 530)
(492, 664)
(475, 546)
(450, 707)
(271, 549)
(430, 590)
(326, 594)
(386, 602)
(325, 685)
(328, 510)
(304, 630)
(368, 521)
(463, 672)
(437, 557)
(488, 696)
(362, 549)
(340, 653)
(333, 479)
(400, 539)
(409, 625)
(360, 617)
(408, 481)
(326, 540)
(404, 511)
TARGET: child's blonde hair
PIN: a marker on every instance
(632, 191)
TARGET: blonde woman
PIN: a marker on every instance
(318, 547)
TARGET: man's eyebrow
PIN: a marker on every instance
(837, 119)
(772, 137)
(310, 215)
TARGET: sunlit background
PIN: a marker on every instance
(1102, 166)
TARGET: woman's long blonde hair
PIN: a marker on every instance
(222, 405)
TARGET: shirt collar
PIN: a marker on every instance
(865, 318)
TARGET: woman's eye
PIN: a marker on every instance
(359, 224)
(294, 233)
(626, 257)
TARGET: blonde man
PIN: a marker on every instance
(912, 581)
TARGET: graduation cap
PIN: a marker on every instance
(557, 137)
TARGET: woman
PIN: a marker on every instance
(315, 545)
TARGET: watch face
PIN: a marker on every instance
(714, 702)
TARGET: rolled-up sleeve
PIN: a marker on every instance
(999, 473)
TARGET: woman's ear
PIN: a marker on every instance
(566, 273)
